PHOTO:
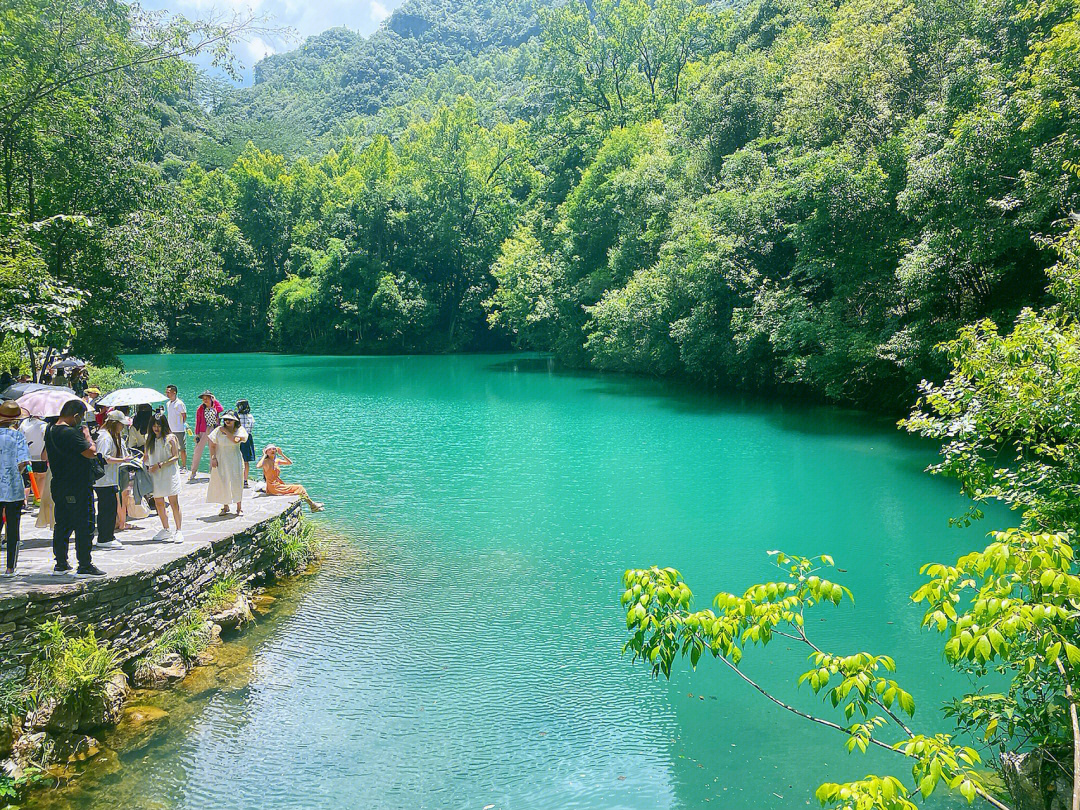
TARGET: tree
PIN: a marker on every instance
(1007, 420)
(33, 305)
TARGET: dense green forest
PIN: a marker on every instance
(777, 195)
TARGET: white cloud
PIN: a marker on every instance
(257, 48)
(378, 11)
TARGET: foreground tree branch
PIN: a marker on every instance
(1030, 626)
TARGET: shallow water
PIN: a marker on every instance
(464, 652)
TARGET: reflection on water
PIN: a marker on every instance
(471, 655)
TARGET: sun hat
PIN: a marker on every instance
(93, 390)
(230, 415)
(10, 410)
(117, 416)
(207, 393)
(266, 454)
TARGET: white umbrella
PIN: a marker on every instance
(46, 402)
(131, 396)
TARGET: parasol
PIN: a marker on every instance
(19, 389)
(46, 402)
(71, 362)
(131, 396)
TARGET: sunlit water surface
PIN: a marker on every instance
(464, 650)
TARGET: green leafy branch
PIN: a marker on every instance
(663, 627)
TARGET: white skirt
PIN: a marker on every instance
(167, 481)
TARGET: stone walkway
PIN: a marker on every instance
(201, 526)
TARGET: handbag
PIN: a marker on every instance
(97, 467)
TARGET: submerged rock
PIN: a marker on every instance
(261, 603)
(69, 716)
(142, 714)
(42, 749)
(235, 615)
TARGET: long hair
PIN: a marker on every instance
(144, 415)
(162, 421)
(115, 432)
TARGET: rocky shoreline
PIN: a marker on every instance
(75, 690)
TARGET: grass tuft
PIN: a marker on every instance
(296, 552)
(73, 670)
(222, 593)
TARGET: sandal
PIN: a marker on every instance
(224, 511)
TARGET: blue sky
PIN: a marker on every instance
(305, 18)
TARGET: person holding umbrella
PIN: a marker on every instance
(14, 458)
(207, 417)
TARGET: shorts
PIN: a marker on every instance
(247, 449)
(181, 436)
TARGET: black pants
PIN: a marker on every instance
(12, 513)
(106, 513)
(71, 513)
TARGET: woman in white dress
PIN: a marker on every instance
(227, 464)
(162, 461)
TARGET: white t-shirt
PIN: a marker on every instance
(33, 430)
(177, 411)
(107, 448)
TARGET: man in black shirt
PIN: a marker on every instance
(69, 448)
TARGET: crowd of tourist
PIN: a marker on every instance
(93, 469)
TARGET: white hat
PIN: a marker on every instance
(117, 416)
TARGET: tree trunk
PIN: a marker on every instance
(1076, 751)
(1071, 697)
(33, 363)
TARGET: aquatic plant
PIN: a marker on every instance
(294, 552)
(222, 593)
(188, 637)
(73, 671)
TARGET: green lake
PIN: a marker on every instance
(463, 649)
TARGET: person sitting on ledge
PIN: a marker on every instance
(272, 459)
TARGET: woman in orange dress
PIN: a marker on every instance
(270, 463)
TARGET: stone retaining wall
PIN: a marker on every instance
(132, 610)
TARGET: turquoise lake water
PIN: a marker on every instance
(465, 651)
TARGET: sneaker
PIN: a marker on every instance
(91, 571)
(317, 507)
(178, 537)
(61, 570)
(114, 543)
(161, 536)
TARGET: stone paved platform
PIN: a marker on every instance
(201, 526)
